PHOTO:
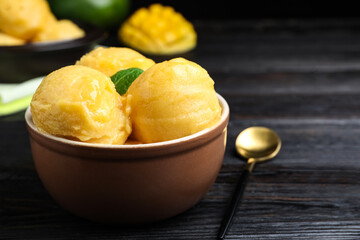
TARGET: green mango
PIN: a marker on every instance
(107, 14)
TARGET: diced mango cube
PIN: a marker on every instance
(158, 30)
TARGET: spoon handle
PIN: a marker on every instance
(235, 200)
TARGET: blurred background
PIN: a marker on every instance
(258, 9)
(262, 16)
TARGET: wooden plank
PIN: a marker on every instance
(309, 26)
(287, 83)
(245, 106)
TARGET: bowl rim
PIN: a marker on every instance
(133, 147)
(93, 34)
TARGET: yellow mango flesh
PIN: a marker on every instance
(158, 30)
(171, 100)
(23, 18)
(113, 59)
(59, 30)
(80, 103)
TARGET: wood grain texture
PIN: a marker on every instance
(300, 78)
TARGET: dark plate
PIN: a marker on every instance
(19, 63)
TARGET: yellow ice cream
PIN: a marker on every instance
(59, 30)
(80, 103)
(113, 59)
(23, 18)
(171, 100)
(7, 40)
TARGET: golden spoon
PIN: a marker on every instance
(257, 144)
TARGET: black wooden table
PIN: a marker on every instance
(299, 77)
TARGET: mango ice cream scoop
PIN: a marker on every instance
(171, 100)
(113, 59)
(23, 18)
(7, 40)
(80, 103)
(56, 30)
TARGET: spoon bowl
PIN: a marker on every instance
(260, 143)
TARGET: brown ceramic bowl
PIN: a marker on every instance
(129, 184)
(20, 63)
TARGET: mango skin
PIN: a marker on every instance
(23, 18)
(80, 103)
(102, 13)
(172, 99)
(113, 59)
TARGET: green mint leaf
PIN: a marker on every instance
(124, 78)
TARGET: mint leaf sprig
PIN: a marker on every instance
(124, 78)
